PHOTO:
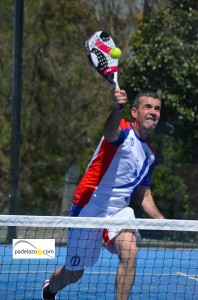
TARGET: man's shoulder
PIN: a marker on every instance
(124, 124)
(150, 147)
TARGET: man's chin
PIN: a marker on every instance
(151, 126)
(151, 121)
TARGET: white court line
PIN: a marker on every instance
(104, 273)
(186, 275)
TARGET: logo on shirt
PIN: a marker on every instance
(75, 260)
(132, 142)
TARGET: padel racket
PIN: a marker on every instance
(97, 48)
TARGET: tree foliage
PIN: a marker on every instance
(164, 59)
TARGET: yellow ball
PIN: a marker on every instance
(115, 53)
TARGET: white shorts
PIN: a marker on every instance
(84, 245)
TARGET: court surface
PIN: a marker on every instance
(161, 274)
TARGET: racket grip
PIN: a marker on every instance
(116, 85)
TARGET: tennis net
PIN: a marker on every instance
(167, 258)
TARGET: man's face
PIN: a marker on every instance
(147, 114)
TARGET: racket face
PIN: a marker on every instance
(97, 48)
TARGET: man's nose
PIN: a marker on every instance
(153, 111)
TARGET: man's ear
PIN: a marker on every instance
(134, 112)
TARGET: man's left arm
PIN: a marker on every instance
(145, 200)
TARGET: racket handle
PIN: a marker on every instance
(116, 81)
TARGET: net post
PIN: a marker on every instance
(16, 110)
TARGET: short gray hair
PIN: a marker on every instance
(137, 100)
